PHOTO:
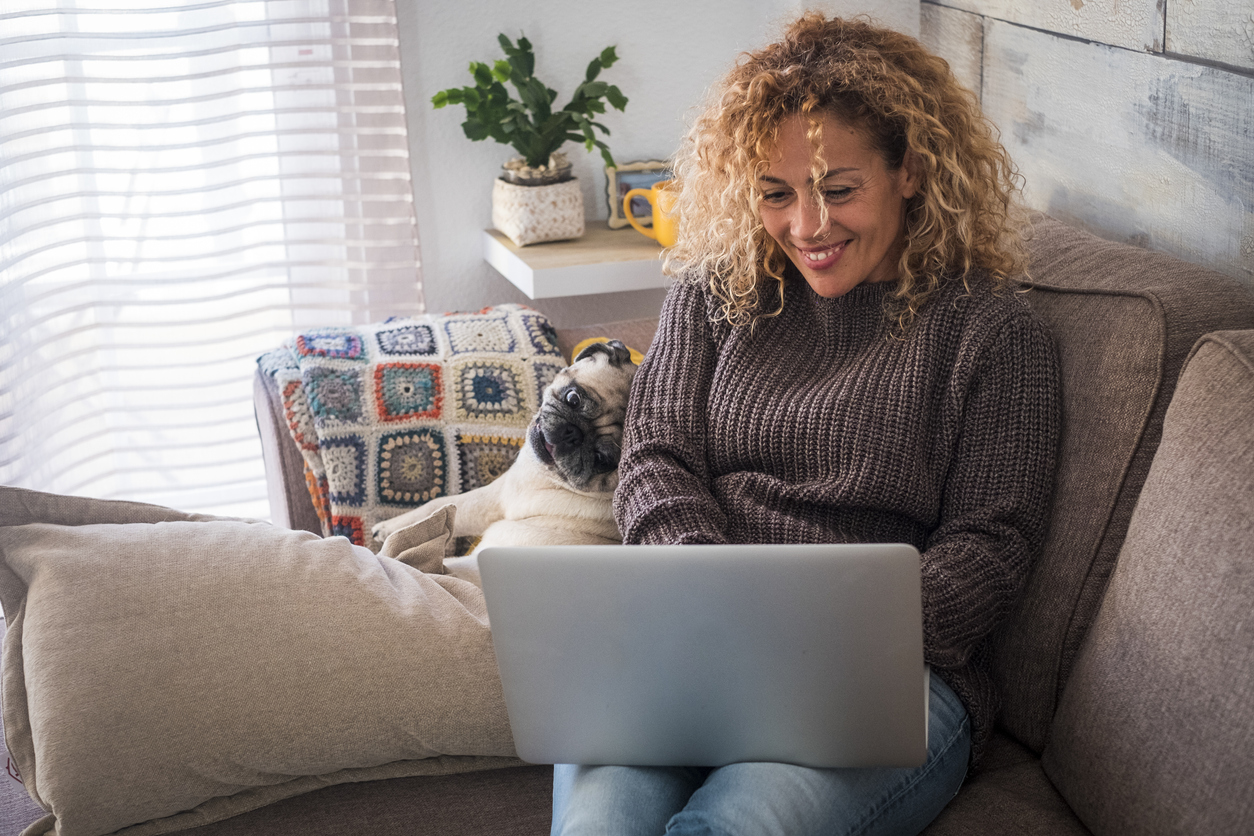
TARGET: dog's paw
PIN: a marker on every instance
(382, 530)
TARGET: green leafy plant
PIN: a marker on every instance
(529, 123)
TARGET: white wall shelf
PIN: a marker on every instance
(604, 260)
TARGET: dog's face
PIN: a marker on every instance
(578, 433)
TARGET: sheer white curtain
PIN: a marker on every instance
(183, 185)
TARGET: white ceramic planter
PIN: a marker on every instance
(532, 214)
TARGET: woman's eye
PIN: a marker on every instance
(774, 197)
(837, 194)
(572, 398)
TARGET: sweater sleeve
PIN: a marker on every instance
(663, 495)
(996, 492)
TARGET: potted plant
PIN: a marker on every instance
(537, 198)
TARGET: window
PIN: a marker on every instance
(181, 188)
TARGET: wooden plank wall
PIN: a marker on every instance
(1132, 24)
(1132, 118)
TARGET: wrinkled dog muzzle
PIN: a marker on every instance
(579, 429)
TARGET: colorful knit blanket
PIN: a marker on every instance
(391, 415)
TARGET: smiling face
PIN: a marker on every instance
(864, 231)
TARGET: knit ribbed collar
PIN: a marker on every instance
(855, 318)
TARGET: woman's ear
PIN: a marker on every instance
(911, 174)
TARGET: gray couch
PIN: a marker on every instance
(1127, 669)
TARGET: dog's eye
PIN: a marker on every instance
(603, 463)
(572, 398)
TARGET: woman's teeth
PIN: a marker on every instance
(816, 256)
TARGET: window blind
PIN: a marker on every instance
(182, 187)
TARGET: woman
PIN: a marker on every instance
(842, 358)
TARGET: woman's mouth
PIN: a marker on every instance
(817, 259)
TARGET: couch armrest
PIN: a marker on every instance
(1153, 732)
(290, 505)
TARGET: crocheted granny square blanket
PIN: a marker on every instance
(391, 415)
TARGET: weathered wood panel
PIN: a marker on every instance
(1221, 30)
(1136, 147)
(956, 36)
(1133, 24)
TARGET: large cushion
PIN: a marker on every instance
(1154, 732)
(1124, 320)
(164, 670)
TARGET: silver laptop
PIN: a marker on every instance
(709, 655)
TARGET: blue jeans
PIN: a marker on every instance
(769, 798)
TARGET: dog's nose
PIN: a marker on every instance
(567, 437)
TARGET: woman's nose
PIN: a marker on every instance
(808, 223)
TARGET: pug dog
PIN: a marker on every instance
(559, 488)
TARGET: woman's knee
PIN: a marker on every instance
(626, 800)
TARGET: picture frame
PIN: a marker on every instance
(634, 175)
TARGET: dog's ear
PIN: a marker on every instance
(614, 349)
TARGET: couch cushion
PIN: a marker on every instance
(1153, 734)
(164, 670)
(1010, 794)
(1124, 319)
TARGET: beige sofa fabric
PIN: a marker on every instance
(167, 671)
(1118, 313)
(1153, 734)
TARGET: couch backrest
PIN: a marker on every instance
(1124, 319)
(1153, 732)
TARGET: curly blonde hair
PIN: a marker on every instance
(964, 216)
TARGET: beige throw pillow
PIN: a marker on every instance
(166, 670)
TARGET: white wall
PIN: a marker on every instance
(669, 51)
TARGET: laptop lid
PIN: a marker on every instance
(709, 655)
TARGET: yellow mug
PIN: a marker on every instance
(665, 223)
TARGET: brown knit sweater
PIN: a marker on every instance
(817, 426)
